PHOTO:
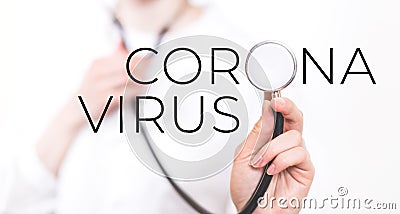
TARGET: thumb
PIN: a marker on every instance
(260, 134)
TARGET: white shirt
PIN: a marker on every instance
(100, 174)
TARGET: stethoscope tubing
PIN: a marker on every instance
(266, 179)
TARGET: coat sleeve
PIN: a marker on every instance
(26, 186)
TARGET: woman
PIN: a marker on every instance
(71, 170)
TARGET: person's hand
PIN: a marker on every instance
(292, 168)
(106, 77)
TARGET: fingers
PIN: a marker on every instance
(261, 132)
(244, 149)
(293, 116)
(297, 156)
(282, 143)
(114, 81)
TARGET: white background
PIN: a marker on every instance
(351, 130)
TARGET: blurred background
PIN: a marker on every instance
(351, 130)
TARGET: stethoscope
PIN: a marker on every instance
(270, 66)
(143, 130)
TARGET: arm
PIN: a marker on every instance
(105, 77)
(32, 175)
(55, 142)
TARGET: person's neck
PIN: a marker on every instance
(155, 15)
